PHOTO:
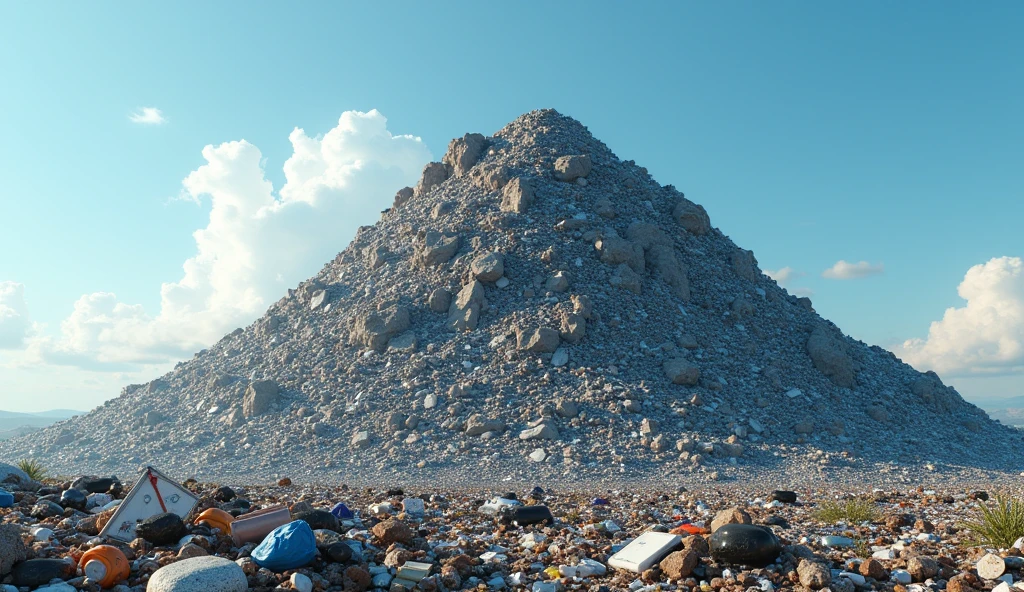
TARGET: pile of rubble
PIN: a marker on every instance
(536, 308)
(55, 537)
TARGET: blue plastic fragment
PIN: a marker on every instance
(341, 512)
(288, 547)
(599, 501)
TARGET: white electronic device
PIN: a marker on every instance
(644, 551)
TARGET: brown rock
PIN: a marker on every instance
(680, 564)
(698, 544)
(729, 516)
(872, 568)
(357, 578)
(814, 575)
(922, 568)
(392, 531)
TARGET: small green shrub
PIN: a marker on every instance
(851, 511)
(998, 525)
(33, 468)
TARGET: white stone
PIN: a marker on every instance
(589, 567)
(560, 357)
(302, 583)
(430, 401)
(884, 554)
(901, 576)
(1002, 587)
(794, 393)
(413, 506)
(856, 578)
(502, 282)
(538, 455)
(41, 534)
(991, 566)
(199, 574)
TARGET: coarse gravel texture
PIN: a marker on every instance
(614, 336)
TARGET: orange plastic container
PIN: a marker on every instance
(255, 526)
(105, 565)
(216, 518)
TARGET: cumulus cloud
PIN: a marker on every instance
(256, 244)
(785, 278)
(147, 116)
(14, 322)
(984, 336)
(844, 270)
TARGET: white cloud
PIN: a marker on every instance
(843, 270)
(255, 245)
(984, 336)
(147, 116)
(14, 322)
(785, 277)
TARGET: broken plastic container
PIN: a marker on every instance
(497, 504)
(644, 551)
(105, 565)
(526, 515)
(216, 518)
(255, 526)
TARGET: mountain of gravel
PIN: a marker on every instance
(537, 309)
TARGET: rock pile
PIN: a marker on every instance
(527, 273)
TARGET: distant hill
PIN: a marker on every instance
(14, 424)
(1009, 411)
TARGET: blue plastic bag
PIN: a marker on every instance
(341, 512)
(288, 547)
(6, 499)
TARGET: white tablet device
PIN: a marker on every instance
(645, 550)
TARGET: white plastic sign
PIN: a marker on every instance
(153, 494)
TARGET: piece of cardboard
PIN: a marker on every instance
(645, 550)
(142, 502)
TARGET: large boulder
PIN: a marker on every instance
(259, 397)
(434, 174)
(618, 251)
(830, 357)
(437, 248)
(517, 196)
(375, 329)
(537, 339)
(681, 371)
(463, 153)
(932, 392)
(488, 267)
(569, 168)
(477, 424)
(199, 574)
(744, 264)
(692, 217)
(402, 197)
(464, 312)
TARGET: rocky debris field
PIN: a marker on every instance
(337, 538)
(537, 309)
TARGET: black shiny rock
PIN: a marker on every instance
(745, 544)
(395, 492)
(73, 498)
(339, 552)
(786, 497)
(224, 494)
(162, 529)
(526, 515)
(318, 519)
(38, 572)
(92, 484)
(46, 509)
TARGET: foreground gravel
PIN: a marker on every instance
(916, 538)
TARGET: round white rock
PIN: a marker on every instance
(199, 574)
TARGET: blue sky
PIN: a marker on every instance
(887, 133)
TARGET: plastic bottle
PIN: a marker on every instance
(105, 565)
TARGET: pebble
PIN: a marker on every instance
(199, 574)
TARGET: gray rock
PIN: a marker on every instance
(830, 356)
(9, 473)
(692, 217)
(375, 329)
(463, 153)
(259, 397)
(434, 174)
(439, 300)
(488, 267)
(681, 371)
(199, 574)
(12, 549)
(438, 248)
(569, 168)
(537, 339)
(517, 196)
